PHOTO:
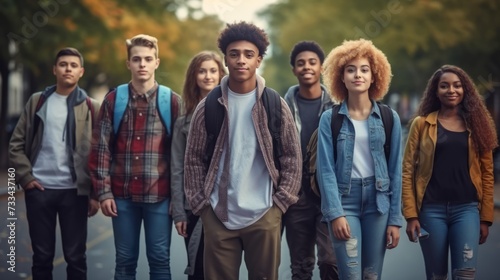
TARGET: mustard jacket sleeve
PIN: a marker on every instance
(487, 200)
(409, 198)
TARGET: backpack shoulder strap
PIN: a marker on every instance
(38, 100)
(39, 103)
(164, 107)
(272, 105)
(336, 124)
(91, 109)
(214, 116)
(121, 101)
(388, 121)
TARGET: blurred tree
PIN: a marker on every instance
(33, 31)
(99, 29)
(417, 36)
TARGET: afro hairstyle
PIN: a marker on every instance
(337, 59)
(243, 31)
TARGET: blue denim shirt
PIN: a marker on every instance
(334, 178)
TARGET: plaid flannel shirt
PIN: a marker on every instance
(134, 163)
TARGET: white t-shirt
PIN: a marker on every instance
(250, 185)
(51, 168)
(362, 161)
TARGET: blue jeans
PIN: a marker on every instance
(157, 230)
(453, 227)
(362, 256)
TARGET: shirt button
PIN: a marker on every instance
(138, 138)
(140, 114)
(136, 157)
(135, 178)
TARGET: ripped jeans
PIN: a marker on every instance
(362, 256)
(452, 227)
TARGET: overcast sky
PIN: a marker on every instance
(237, 10)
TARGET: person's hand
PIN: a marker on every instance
(392, 237)
(108, 207)
(341, 229)
(412, 226)
(93, 207)
(33, 184)
(483, 233)
(181, 228)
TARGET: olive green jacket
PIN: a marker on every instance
(25, 143)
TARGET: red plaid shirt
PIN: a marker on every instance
(135, 163)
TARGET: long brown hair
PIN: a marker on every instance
(473, 109)
(191, 94)
(142, 40)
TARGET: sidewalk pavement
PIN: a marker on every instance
(4, 185)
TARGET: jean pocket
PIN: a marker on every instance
(30, 191)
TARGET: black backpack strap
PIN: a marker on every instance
(272, 104)
(36, 120)
(388, 121)
(336, 124)
(91, 109)
(214, 116)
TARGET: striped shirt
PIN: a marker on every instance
(134, 164)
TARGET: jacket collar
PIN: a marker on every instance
(76, 97)
(432, 118)
(345, 111)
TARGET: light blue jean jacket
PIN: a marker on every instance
(334, 178)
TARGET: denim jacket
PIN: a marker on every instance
(334, 178)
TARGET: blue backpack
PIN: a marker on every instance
(163, 99)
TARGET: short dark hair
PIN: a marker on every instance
(243, 31)
(306, 46)
(69, 51)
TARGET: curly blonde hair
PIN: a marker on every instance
(474, 111)
(337, 59)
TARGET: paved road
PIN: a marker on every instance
(404, 262)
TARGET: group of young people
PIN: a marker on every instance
(213, 162)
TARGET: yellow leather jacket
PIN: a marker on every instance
(418, 165)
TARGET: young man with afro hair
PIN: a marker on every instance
(240, 194)
(304, 229)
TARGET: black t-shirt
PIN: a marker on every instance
(450, 181)
(309, 117)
